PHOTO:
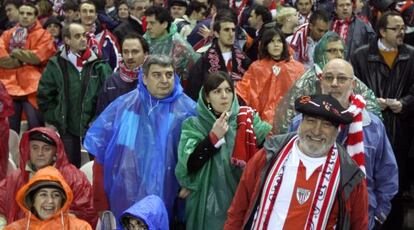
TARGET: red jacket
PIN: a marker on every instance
(6, 109)
(353, 191)
(82, 205)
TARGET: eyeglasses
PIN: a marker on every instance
(397, 28)
(340, 79)
(334, 51)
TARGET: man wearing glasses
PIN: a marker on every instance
(365, 140)
(329, 47)
(387, 66)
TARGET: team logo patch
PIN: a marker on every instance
(302, 195)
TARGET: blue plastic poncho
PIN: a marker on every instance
(151, 210)
(136, 139)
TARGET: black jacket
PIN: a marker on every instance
(200, 70)
(397, 82)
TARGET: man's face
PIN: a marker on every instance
(77, 41)
(71, 16)
(12, 13)
(27, 16)
(160, 81)
(109, 3)
(343, 9)
(139, 8)
(304, 7)
(334, 50)
(393, 34)
(47, 202)
(41, 154)
(338, 81)
(226, 34)
(199, 15)
(155, 28)
(253, 19)
(177, 11)
(88, 14)
(133, 53)
(317, 30)
(316, 136)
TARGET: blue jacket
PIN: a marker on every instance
(150, 210)
(136, 140)
(380, 164)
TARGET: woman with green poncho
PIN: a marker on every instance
(213, 149)
(330, 46)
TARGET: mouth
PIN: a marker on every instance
(315, 139)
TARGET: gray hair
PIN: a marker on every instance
(156, 59)
(130, 3)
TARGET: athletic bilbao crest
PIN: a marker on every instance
(302, 195)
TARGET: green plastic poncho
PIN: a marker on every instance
(214, 185)
(176, 47)
(309, 84)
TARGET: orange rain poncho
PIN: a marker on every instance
(23, 80)
(61, 219)
(266, 82)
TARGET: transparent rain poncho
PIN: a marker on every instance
(136, 140)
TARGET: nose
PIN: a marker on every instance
(334, 82)
(317, 130)
(224, 94)
(49, 199)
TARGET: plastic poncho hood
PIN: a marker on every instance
(319, 55)
(45, 174)
(214, 185)
(151, 210)
(61, 158)
(135, 139)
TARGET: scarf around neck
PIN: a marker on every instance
(327, 186)
(126, 74)
(341, 27)
(214, 56)
(19, 37)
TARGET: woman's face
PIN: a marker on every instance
(275, 48)
(54, 30)
(47, 201)
(123, 11)
(221, 98)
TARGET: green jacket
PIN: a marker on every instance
(60, 97)
(214, 185)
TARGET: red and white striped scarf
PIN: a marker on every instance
(299, 42)
(355, 140)
(341, 27)
(238, 6)
(322, 203)
(245, 145)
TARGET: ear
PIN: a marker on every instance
(207, 98)
(164, 25)
(382, 32)
(145, 80)
(216, 34)
(66, 40)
